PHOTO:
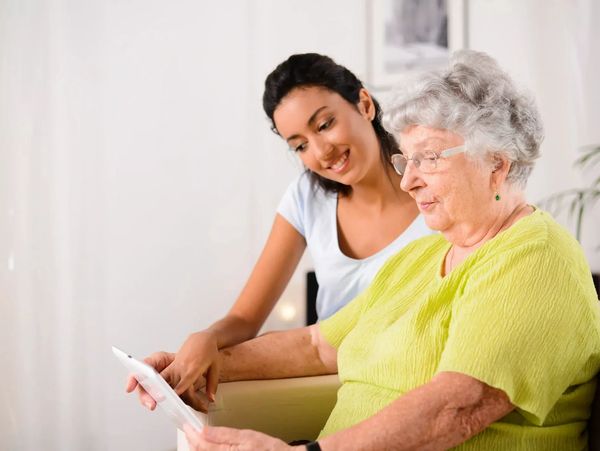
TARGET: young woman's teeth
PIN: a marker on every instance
(338, 164)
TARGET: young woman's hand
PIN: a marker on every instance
(191, 393)
(228, 439)
(195, 367)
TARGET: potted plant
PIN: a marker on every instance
(577, 202)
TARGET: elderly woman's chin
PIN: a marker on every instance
(435, 221)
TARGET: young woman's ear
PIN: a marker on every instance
(366, 107)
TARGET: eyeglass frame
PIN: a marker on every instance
(442, 154)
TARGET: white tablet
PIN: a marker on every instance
(160, 390)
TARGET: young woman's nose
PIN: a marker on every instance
(323, 149)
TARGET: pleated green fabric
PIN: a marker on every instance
(520, 314)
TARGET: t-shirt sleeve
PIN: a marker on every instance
(293, 203)
(520, 325)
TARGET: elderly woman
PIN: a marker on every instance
(485, 335)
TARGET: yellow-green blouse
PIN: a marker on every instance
(520, 314)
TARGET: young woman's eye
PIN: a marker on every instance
(299, 148)
(325, 125)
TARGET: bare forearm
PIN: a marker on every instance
(232, 330)
(276, 355)
(436, 416)
(270, 276)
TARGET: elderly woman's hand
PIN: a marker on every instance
(228, 439)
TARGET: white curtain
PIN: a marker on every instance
(138, 180)
(52, 234)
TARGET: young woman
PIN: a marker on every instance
(347, 209)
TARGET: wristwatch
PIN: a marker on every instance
(313, 446)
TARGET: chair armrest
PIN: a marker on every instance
(290, 409)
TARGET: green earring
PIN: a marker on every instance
(497, 197)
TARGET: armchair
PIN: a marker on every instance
(290, 409)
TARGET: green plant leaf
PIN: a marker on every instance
(593, 196)
(576, 202)
(579, 221)
(591, 156)
(559, 201)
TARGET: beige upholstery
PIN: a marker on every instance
(291, 409)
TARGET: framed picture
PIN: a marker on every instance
(412, 35)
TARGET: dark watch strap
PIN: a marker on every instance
(313, 446)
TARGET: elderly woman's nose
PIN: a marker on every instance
(410, 177)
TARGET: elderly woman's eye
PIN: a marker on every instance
(325, 125)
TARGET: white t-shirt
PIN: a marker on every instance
(313, 212)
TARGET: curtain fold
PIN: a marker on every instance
(51, 306)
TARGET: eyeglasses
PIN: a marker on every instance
(425, 162)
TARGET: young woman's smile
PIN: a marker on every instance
(341, 163)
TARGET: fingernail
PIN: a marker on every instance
(148, 405)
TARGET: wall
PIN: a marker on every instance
(551, 47)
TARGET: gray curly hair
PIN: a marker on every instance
(476, 99)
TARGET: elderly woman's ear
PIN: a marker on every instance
(500, 167)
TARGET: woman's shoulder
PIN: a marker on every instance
(304, 187)
(419, 251)
(542, 232)
(539, 242)
(305, 204)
